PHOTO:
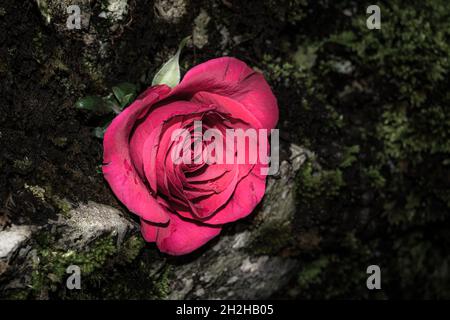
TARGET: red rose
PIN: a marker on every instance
(183, 206)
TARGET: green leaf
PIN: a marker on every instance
(118, 93)
(97, 104)
(112, 103)
(169, 74)
(127, 100)
(99, 132)
(123, 92)
(93, 103)
(127, 87)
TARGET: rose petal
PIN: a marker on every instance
(228, 106)
(248, 193)
(149, 231)
(158, 115)
(118, 168)
(209, 205)
(182, 237)
(211, 172)
(232, 78)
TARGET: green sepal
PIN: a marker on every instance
(169, 74)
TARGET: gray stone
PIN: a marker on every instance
(171, 11)
(80, 228)
(239, 265)
(90, 221)
(12, 239)
(200, 32)
(233, 268)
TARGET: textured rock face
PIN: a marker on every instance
(12, 240)
(171, 11)
(238, 265)
(75, 232)
(379, 127)
(231, 276)
(91, 221)
(56, 13)
(242, 263)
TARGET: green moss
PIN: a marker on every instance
(45, 194)
(349, 156)
(23, 165)
(131, 280)
(310, 274)
(36, 191)
(44, 9)
(162, 284)
(3, 66)
(17, 294)
(50, 270)
(107, 272)
(62, 205)
(131, 249)
(94, 71)
(272, 238)
(39, 53)
(102, 270)
(377, 191)
(314, 183)
(291, 11)
(375, 177)
(373, 107)
(332, 275)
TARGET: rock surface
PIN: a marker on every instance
(77, 231)
(238, 265)
(91, 221)
(375, 115)
(12, 239)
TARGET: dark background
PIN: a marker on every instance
(373, 106)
